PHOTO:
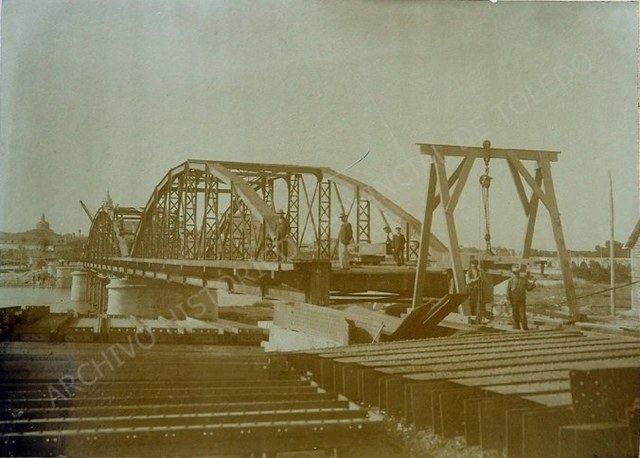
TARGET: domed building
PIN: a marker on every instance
(43, 225)
(41, 241)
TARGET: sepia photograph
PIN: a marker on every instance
(314, 229)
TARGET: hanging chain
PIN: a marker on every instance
(485, 183)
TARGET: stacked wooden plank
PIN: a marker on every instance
(481, 386)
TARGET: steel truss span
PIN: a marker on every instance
(215, 210)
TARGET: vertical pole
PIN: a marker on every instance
(612, 274)
(231, 222)
(425, 236)
(166, 248)
(407, 250)
(556, 225)
(358, 218)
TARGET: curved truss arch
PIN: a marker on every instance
(103, 241)
(227, 210)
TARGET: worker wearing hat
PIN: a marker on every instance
(389, 240)
(345, 237)
(472, 278)
(519, 284)
(282, 236)
(399, 242)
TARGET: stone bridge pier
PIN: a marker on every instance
(153, 299)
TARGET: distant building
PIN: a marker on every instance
(37, 243)
(633, 245)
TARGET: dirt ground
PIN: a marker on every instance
(545, 296)
(548, 295)
(424, 443)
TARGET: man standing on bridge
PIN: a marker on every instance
(517, 289)
(345, 237)
(282, 234)
(399, 243)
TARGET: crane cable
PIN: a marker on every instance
(485, 184)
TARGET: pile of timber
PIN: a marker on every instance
(522, 393)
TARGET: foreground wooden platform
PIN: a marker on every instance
(504, 391)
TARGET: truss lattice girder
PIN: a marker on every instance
(239, 173)
(103, 241)
(384, 204)
(247, 194)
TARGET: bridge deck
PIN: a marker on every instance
(301, 280)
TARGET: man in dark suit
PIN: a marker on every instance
(399, 243)
(519, 284)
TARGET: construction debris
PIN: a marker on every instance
(306, 326)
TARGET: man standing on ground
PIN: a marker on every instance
(398, 246)
(282, 233)
(472, 278)
(517, 289)
(345, 237)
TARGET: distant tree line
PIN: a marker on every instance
(594, 272)
(600, 251)
(497, 250)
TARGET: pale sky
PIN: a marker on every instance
(111, 94)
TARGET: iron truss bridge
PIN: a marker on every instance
(215, 224)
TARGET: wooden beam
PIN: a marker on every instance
(450, 181)
(528, 178)
(454, 246)
(496, 153)
(556, 225)
(466, 164)
(531, 220)
(423, 254)
(517, 180)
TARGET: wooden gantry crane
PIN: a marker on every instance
(444, 191)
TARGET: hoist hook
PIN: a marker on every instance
(485, 183)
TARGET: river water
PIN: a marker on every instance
(57, 299)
